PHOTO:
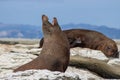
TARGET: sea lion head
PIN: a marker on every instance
(48, 28)
(109, 48)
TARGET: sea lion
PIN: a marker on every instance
(91, 39)
(54, 55)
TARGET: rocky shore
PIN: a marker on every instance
(16, 52)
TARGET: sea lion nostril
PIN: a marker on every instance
(116, 55)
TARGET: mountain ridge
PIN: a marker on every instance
(109, 32)
(32, 31)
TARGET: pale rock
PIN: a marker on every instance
(85, 52)
(34, 51)
(10, 61)
(26, 46)
(19, 50)
(70, 74)
(21, 54)
(31, 49)
(84, 74)
(40, 74)
(114, 62)
(5, 48)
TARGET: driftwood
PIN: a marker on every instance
(97, 66)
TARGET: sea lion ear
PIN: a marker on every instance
(54, 22)
(44, 18)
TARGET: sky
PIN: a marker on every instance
(94, 12)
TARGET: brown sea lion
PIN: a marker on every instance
(54, 55)
(91, 39)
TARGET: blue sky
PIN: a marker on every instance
(95, 12)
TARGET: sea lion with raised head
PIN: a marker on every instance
(91, 39)
(54, 55)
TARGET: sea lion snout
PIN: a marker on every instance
(44, 18)
(113, 53)
(116, 54)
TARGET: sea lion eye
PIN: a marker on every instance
(108, 47)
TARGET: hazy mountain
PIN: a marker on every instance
(31, 31)
(110, 32)
(20, 31)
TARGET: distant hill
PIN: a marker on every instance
(110, 32)
(31, 31)
(19, 31)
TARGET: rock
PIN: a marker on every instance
(26, 46)
(34, 51)
(30, 49)
(13, 56)
(10, 61)
(83, 74)
(70, 74)
(40, 75)
(114, 62)
(8, 42)
(5, 48)
(88, 53)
